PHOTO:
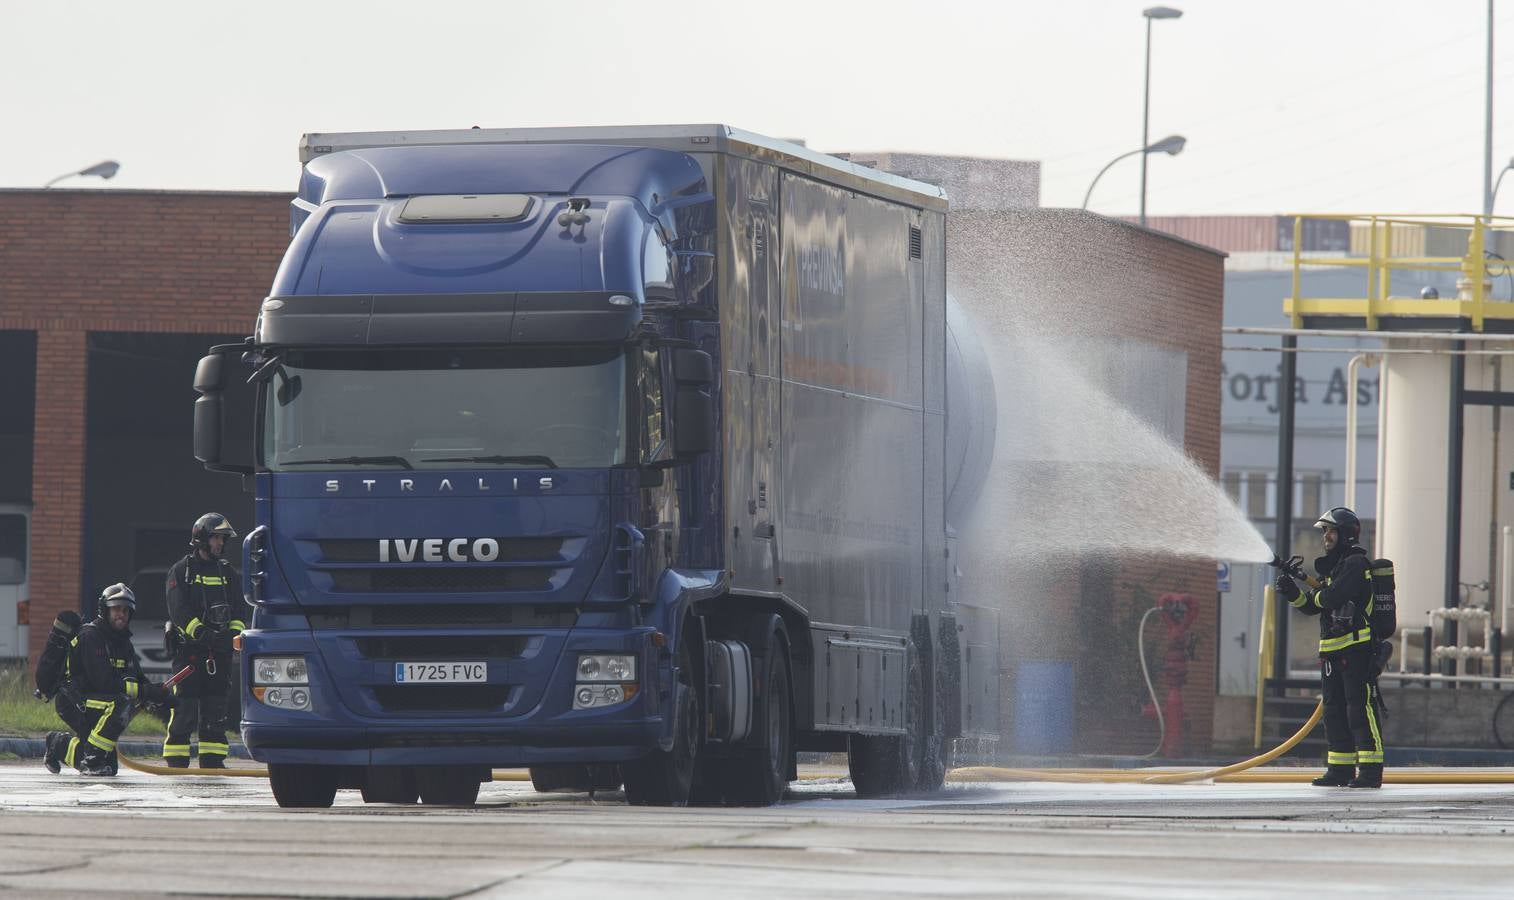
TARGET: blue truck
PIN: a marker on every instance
(629, 455)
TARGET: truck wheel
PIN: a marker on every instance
(299, 786)
(575, 779)
(447, 785)
(665, 777)
(759, 778)
(390, 784)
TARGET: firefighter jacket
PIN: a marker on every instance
(204, 597)
(1343, 601)
(102, 661)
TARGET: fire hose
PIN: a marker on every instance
(1234, 773)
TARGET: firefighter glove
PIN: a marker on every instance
(1286, 588)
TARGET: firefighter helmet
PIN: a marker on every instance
(118, 595)
(1345, 523)
(210, 524)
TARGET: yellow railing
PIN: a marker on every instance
(1384, 244)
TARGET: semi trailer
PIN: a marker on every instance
(628, 455)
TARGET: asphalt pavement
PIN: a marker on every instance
(1026, 839)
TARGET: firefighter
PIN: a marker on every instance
(1347, 652)
(102, 689)
(205, 606)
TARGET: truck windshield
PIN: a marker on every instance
(455, 409)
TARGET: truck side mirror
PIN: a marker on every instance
(209, 415)
(694, 405)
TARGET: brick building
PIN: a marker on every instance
(107, 299)
(1104, 323)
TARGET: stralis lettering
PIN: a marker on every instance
(407, 485)
(438, 549)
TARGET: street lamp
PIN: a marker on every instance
(106, 169)
(1493, 196)
(1172, 146)
(1154, 12)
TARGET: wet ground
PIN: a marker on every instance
(67, 835)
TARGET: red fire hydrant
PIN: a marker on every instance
(1178, 611)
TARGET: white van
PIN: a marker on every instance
(15, 553)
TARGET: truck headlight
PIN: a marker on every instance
(280, 670)
(606, 667)
(604, 679)
(589, 696)
(283, 697)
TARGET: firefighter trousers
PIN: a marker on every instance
(96, 720)
(206, 714)
(1352, 730)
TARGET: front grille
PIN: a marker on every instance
(442, 739)
(443, 579)
(442, 697)
(510, 549)
(470, 647)
(444, 615)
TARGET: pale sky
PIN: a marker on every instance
(1288, 106)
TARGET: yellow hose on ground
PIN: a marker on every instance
(1231, 774)
(996, 773)
(151, 769)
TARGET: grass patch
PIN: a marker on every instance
(21, 713)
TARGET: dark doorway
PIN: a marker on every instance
(18, 413)
(143, 486)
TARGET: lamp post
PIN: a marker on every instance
(1172, 146)
(106, 169)
(1154, 12)
(1493, 196)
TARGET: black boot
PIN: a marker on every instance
(177, 762)
(57, 745)
(212, 761)
(1335, 776)
(1369, 776)
(98, 763)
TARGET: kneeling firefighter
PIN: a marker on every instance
(101, 688)
(1347, 650)
(205, 608)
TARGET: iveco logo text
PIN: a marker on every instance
(432, 549)
(334, 486)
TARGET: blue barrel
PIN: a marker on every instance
(1044, 694)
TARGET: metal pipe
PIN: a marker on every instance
(1146, 120)
(1487, 123)
(1506, 588)
(1382, 466)
(1394, 351)
(1347, 333)
(1288, 371)
(1453, 499)
(1351, 371)
(1263, 667)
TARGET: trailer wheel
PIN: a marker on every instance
(390, 784)
(300, 786)
(447, 785)
(759, 777)
(666, 777)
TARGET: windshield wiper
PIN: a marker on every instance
(353, 461)
(523, 460)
